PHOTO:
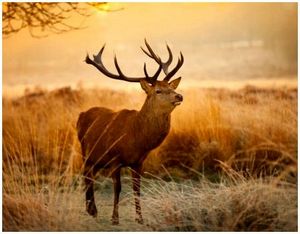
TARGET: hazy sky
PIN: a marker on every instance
(58, 59)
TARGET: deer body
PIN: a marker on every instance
(114, 140)
(122, 138)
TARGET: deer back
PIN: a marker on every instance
(120, 137)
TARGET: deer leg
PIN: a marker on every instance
(89, 195)
(116, 176)
(136, 183)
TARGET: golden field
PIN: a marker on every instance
(228, 164)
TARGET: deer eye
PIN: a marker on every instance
(158, 91)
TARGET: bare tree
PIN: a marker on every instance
(42, 18)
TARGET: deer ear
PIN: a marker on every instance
(145, 85)
(174, 83)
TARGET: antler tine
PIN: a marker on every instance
(175, 69)
(97, 62)
(147, 53)
(154, 78)
(151, 54)
(98, 57)
(169, 61)
(118, 67)
(145, 71)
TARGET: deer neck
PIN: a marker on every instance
(149, 112)
(153, 122)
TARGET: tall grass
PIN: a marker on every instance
(221, 125)
(243, 205)
(238, 135)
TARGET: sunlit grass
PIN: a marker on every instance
(228, 164)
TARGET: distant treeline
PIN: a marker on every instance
(273, 25)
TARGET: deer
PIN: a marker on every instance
(117, 139)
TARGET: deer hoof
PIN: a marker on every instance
(115, 221)
(92, 210)
(139, 220)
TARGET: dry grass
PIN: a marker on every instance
(232, 137)
(259, 136)
(246, 205)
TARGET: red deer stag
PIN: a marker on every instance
(124, 139)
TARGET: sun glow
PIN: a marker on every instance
(220, 48)
(104, 8)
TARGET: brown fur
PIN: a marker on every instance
(124, 139)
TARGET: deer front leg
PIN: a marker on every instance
(89, 195)
(136, 182)
(117, 189)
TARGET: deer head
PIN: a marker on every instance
(161, 95)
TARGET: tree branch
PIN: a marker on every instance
(42, 18)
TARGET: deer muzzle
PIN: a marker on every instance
(179, 99)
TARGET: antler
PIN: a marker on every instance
(165, 65)
(97, 62)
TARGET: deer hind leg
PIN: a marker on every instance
(116, 176)
(136, 183)
(89, 195)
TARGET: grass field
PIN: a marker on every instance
(228, 164)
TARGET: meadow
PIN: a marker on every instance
(228, 164)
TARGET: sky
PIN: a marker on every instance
(211, 37)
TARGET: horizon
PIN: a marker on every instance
(220, 42)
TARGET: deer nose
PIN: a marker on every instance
(179, 97)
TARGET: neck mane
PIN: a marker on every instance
(153, 124)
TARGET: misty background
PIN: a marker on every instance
(222, 43)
